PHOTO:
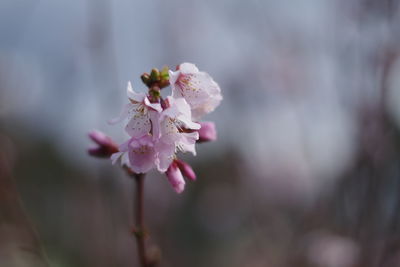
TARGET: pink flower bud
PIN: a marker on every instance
(175, 178)
(186, 169)
(106, 146)
(207, 132)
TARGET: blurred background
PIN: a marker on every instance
(306, 168)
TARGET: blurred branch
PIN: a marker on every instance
(20, 244)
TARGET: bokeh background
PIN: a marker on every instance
(306, 168)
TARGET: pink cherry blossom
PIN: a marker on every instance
(137, 153)
(171, 138)
(198, 88)
(159, 127)
(140, 111)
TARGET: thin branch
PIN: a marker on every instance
(139, 229)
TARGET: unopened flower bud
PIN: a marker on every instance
(146, 79)
(164, 77)
(175, 177)
(106, 146)
(207, 132)
(164, 73)
(186, 169)
(155, 75)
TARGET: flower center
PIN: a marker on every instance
(142, 150)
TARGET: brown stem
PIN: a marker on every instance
(139, 230)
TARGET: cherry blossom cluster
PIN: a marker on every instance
(159, 128)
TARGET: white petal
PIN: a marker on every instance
(206, 108)
(126, 111)
(188, 123)
(173, 76)
(188, 68)
(139, 125)
(115, 157)
(195, 88)
(137, 97)
(169, 131)
(187, 142)
(155, 123)
(155, 106)
(182, 106)
(165, 155)
(125, 160)
(172, 111)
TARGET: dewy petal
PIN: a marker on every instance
(139, 125)
(175, 178)
(137, 97)
(128, 109)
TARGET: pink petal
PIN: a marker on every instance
(142, 156)
(165, 155)
(99, 137)
(186, 169)
(105, 145)
(175, 178)
(207, 131)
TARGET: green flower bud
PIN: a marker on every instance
(155, 75)
(164, 73)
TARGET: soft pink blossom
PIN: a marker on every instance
(175, 178)
(138, 153)
(105, 145)
(171, 137)
(159, 130)
(198, 88)
(140, 111)
(207, 132)
(186, 169)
